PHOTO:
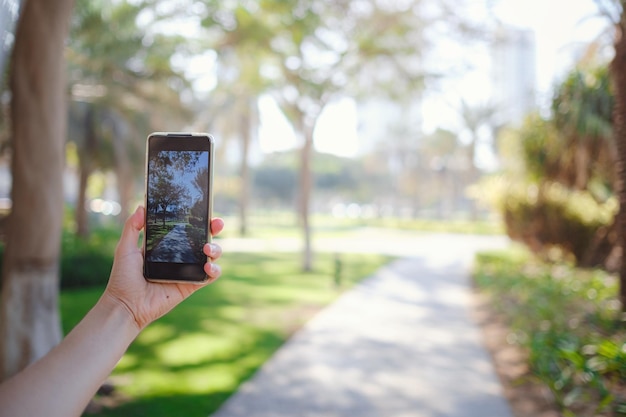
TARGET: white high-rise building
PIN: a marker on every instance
(514, 74)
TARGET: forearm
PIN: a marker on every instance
(62, 383)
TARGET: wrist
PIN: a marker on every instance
(117, 311)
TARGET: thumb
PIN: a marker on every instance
(130, 234)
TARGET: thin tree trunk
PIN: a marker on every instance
(29, 319)
(123, 168)
(306, 188)
(85, 165)
(618, 72)
(82, 226)
(244, 197)
(125, 186)
(474, 175)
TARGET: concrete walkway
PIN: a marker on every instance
(174, 247)
(400, 344)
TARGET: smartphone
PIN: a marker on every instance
(178, 201)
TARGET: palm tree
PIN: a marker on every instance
(475, 118)
(582, 108)
(122, 71)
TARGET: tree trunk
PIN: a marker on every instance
(86, 154)
(123, 170)
(82, 225)
(618, 72)
(244, 197)
(29, 319)
(306, 188)
(474, 175)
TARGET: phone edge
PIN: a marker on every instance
(210, 202)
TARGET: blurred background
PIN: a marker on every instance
(404, 103)
(331, 118)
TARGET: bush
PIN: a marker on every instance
(569, 322)
(553, 216)
(556, 190)
(87, 262)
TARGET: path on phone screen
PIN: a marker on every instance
(174, 247)
(400, 344)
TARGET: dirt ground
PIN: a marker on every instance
(527, 397)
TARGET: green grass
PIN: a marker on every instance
(284, 224)
(158, 232)
(570, 323)
(478, 227)
(191, 360)
(188, 362)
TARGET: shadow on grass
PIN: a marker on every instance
(198, 354)
(191, 405)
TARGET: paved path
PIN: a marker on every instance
(400, 344)
(174, 247)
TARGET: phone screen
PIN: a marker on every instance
(178, 206)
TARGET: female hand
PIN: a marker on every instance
(147, 301)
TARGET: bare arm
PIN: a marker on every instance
(62, 382)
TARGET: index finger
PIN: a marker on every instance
(130, 233)
(217, 225)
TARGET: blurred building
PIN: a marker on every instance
(514, 73)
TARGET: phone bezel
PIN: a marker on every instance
(177, 141)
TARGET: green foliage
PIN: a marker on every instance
(275, 184)
(583, 103)
(553, 216)
(191, 360)
(540, 147)
(582, 113)
(335, 173)
(569, 321)
(197, 238)
(87, 262)
(158, 232)
(557, 187)
(276, 178)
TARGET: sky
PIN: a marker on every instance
(560, 27)
(335, 132)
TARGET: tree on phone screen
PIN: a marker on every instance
(168, 190)
(166, 195)
(198, 211)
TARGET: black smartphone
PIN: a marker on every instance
(179, 179)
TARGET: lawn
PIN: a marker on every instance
(283, 224)
(188, 362)
(569, 322)
(158, 233)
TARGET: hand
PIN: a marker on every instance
(147, 301)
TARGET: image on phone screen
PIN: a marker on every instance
(177, 206)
